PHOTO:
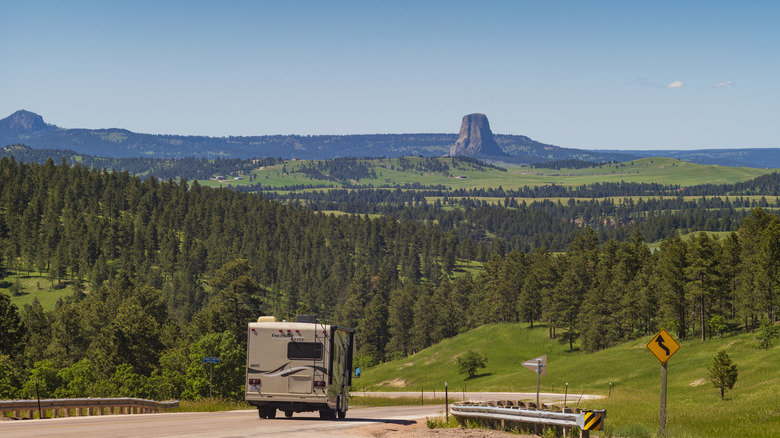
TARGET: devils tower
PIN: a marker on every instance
(475, 138)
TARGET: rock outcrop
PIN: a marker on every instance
(23, 121)
(476, 138)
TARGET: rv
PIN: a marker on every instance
(300, 366)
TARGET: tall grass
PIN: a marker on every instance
(210, 405)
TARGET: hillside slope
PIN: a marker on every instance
(752, 408)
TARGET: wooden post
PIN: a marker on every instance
(446, 403)
(662, 428)
(38, 396)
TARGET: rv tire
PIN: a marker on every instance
(288, 414)
(340, 413)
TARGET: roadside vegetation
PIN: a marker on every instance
(750, 409)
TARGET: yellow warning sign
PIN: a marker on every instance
(594, 420)
(663, 346)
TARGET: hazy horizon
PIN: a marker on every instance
(599, 76)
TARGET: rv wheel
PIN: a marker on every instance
(326, 415)
(288, 414)
(271, 413)
(339, 412)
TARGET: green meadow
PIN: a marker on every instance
(666, 171)
(751, 409)
(34, 285)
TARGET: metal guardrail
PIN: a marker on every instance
(515, 413)
(68, 407)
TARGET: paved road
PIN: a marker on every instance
(544, 397)
(233, 424)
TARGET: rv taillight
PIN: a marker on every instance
(319, 383)
(254, 381)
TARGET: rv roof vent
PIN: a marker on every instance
(266, 319)
(306, 318)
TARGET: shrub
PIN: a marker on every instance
(766, 334)
(469, 362)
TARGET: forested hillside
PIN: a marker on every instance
(165, 273)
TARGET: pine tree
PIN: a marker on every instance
(722, 373)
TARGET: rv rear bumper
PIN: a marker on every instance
(292, 404)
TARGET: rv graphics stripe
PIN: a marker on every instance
(296, 370)
(275, 370)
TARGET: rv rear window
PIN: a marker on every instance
(304, 350)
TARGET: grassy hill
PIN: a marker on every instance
(665, 171)
(752, 408)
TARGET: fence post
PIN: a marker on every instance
(446, 403)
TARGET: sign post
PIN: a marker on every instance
(447, 402)
(211, 361)
(539, 365)
(663, 346)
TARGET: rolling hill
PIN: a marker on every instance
(752, 408)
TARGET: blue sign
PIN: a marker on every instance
(210, 360)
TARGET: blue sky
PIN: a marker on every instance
(582, 74)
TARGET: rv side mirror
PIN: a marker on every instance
(357, 372)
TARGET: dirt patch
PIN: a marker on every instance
(728, 344)
(420, 430)
(395, 383)
(699, 382)
(406, 365)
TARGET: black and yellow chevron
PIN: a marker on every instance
(593, 421)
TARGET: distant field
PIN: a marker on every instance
(665, 171)
(618, 200)
(33, 286)
(752, 408)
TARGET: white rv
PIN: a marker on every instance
(300, 366)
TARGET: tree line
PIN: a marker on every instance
(165, 273)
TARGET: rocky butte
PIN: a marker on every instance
(476, 138)
(23, 122)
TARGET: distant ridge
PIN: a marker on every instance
(121, 143)
(749, 157)
(28, 128)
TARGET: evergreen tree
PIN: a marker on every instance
(12, 329)
(37, 336)
(400, 320)
(722, 373)
(373, 329)
(672, 261)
